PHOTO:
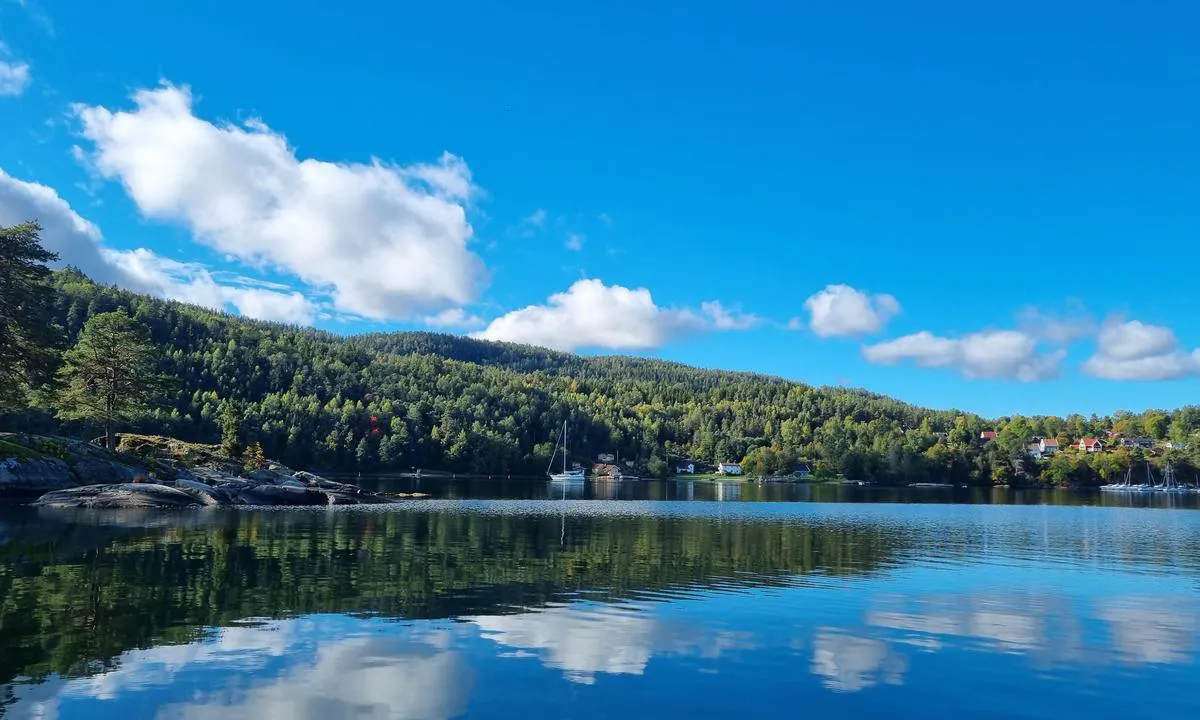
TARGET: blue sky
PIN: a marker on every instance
(990, 206)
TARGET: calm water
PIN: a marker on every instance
(474, 487)
(600, 609)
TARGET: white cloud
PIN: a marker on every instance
(1134, 350)
(76, 240)
(537, 219)
(386, 242)
(840, 310)
(998, 354)
(1053, 328)
(14, 77)
(575, 242)
(723, 318)
(454, 318)
(79, 243)
(591, 314)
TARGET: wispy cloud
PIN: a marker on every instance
(15, 76)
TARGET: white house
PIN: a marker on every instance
(1091, 445)
(1048, 446)
(729, 468)
(685, 467)
(1034, 450)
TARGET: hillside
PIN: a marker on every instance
(401, 400)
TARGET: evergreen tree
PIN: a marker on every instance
(232, 412)
(28, 339)
(110, 375)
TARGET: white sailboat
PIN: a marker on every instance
(572, 475)
(1170, 484)
(1123, 486)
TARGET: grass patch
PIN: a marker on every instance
(10, 449)
(52, 448)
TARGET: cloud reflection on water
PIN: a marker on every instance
(585, 640)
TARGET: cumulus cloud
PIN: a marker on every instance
(76, 240)
(997, 354)
(840, 310)
(385, 241)
(1134, 350)
(80, 243)
(591, 314)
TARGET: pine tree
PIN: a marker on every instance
(110, 374)
(254, 457)
(363, 455)
(232, 414)
(28, 340)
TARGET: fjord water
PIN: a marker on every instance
(597, 609)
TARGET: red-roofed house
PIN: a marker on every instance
(987, 435)
(1090, 445)
(1049, 446)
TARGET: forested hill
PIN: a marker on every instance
(401, 400)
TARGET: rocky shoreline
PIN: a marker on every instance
(149, 472)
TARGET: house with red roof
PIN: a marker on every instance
(1091, 445)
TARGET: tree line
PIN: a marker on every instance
(85, 359)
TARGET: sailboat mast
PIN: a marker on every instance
(564, 446)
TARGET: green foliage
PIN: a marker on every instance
(768, 461)
(253, 457)
(110, 374)
(10, 449)
(311, 399)
(28, 339)
(232, 412)
(1062, 469)
(52, 449)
